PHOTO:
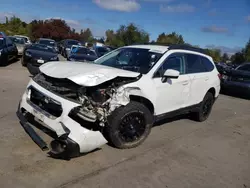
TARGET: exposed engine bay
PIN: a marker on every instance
(95, 103)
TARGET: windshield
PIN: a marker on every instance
(47, 42)
(43, 48)
(133, 59)
(17, 40)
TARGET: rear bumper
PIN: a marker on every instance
(68, 132)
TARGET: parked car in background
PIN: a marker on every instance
(237, 80)
(101, 50)
(27, 39)
(82, 54)
(66, 47)
(8, 50)
(48, 42)
(20, 44)
(37, 54)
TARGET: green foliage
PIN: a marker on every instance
(224, 58)
(126, 35)
(238, 58)
(215, 54)
(172, 38)
(13, 26)
(247, 51)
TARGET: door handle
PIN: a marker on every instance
(185, 83)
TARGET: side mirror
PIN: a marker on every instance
(171, 73)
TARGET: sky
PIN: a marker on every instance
(223, 24)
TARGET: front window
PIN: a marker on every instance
(133, 59)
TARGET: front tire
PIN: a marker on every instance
(205, 108)
(129, 126)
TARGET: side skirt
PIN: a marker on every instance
(186, 110)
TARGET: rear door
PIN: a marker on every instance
(199, 77)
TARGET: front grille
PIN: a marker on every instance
(45, 103)
(59, 86)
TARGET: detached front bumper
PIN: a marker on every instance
(70, 136)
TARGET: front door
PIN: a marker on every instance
(173, 93)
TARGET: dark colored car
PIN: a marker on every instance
(36, 55)
(66, 47)
(237, 80)
(8, 50)
(100, 51)
(48, 42)
(83, 54)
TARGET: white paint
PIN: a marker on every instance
(85, 74)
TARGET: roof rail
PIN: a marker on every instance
(186, 47)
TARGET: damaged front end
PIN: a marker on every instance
(76, 114)
(96, 102)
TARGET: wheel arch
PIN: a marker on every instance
(212, 90)
(144, 101)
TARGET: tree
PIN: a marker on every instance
(224, 58)
(86, 35)
(54, 28)
(247, 51)
(127, 35)
(172, 38)
(238, 58)
(214, 53)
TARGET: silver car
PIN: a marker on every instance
(20, 44)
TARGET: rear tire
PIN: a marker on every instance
(205, 108)
(129, 126)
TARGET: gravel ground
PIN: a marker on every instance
(178, 153)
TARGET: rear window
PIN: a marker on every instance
(194, 64)
(207, 63)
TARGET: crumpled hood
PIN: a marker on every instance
(85, 74)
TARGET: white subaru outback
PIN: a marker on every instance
(118, 97)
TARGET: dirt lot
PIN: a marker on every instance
(177, 154)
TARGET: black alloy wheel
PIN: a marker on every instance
(132, 126)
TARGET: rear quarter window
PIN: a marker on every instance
(207, 63)
(194, 64)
